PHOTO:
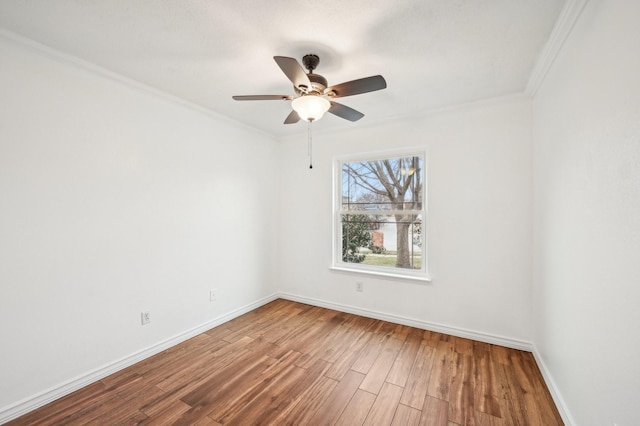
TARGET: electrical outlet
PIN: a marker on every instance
(359, 286)
(145, 317)
(212, 294)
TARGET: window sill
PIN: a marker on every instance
(414, 278)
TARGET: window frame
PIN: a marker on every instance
(415, 275)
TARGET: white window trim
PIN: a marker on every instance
(400, 274)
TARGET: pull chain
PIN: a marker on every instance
(310, 148)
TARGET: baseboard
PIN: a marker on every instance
(553, 389)
(425, 325)
(31, 403)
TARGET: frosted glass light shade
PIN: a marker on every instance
(310, 107)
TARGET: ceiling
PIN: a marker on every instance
(432, 53)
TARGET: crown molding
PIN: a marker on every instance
(561, 30)
(97, 70)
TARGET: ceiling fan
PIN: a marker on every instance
(314, 95)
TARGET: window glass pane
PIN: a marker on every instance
(382, 240)
(388, 184)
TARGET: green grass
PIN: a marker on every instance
(367, 251)
(378, 260)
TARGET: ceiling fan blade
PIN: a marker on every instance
(294, 72)
(345, 112)
(356, 87)
(263, 98)
(292, 118)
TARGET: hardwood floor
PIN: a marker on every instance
(290, 363)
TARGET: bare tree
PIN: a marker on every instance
(399, 181)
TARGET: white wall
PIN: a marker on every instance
(479, 219)
(587, 216)
(115, 200)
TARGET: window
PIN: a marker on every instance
(379, 215)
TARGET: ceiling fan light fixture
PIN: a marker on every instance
(310, 107)
(314, 96)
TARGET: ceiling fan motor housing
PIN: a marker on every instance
(318, 84)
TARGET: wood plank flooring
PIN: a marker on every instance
(287, 363)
